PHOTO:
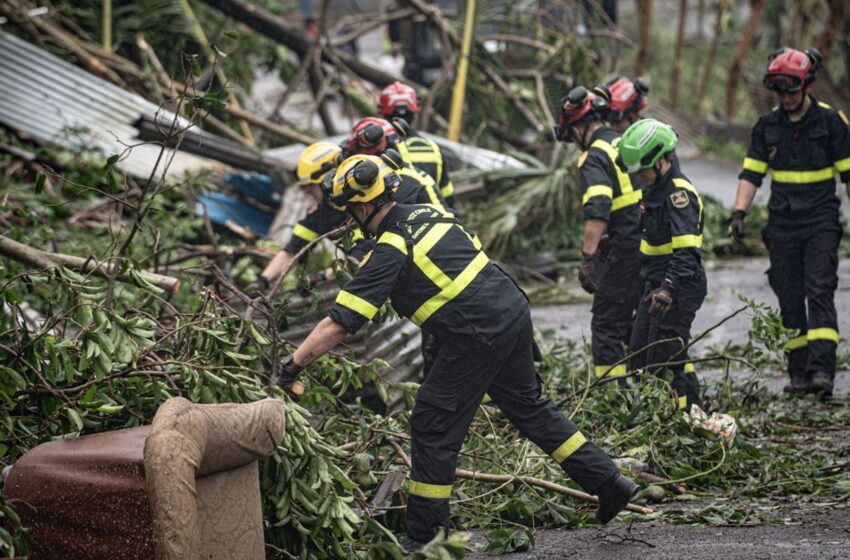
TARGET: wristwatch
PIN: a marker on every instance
(290, 367)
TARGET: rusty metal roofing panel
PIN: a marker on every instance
(55, 102)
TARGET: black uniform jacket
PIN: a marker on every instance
(435, 273)
(671, 230)
(802, 157)
(425, 155)
(607, 191)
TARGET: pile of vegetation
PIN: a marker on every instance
(83, 354)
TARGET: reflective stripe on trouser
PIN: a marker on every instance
(447, 402)
(804, 276)
(676, 324)
(614, 306)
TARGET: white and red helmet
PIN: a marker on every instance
(371, 136)
(398, 100)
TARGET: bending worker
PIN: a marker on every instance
(801, 142)
(610, 270)
(436, 274)
(671, 238)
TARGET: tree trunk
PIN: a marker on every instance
(296, 39)
(712, 52)
(834, 22)
(756, 7)
(676, 74)
(700, 20)
(644, 14)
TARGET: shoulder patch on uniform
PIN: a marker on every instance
(680, 199)
(843, 117)
(582, 158)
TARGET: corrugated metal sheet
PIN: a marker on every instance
(479, 158)
(55, 102)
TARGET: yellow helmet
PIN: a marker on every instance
(363, 178)
(316, 161)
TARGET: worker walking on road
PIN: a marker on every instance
(671, 238)
(803, 142)
(610, 267)
(399, 101)
(436, 274)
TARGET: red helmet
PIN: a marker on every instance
(580, 106)
(371, 136)
(627, 98)
(398, 99)
(791, 70)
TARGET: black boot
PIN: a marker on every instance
(821, 384)
(410, 546)
(798, 385)
(614, 496)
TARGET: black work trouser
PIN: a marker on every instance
(447, 402)
(676, 325)
(614, 307)
(804, 276)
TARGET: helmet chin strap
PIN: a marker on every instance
(362, 224)
(579, 138)
(796, 110)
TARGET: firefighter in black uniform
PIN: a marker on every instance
(671, 238)
(803, 142)
(399, 101)
(609, 270)
(436, 274)
(372, 136)
(317, 164)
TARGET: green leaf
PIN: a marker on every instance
(75, 419)
(39, 183)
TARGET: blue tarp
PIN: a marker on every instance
(222, 208)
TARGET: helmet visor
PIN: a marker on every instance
(783, 82)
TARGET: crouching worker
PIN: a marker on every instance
(437, 275)
(671, 263)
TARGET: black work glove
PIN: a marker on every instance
(287, 379)
(589, 262)
(660, 299)
(736, 225)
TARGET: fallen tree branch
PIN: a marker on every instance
(540, 483)
(44, 260)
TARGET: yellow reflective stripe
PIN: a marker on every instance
(304, 233)
(824, 333)
(360, 305)
(755, 165)
(450, 291)
(626, 200)
(433, 491)
(569, 447)
(597, 190)
(682, 241)
(622, 177)
(843, 165)
(427, 183)
(393, 240)
(357, 235)
(803, 177)
(797, 342)
(609, 371)
(682, 403)
(448, 190)
(655, 250)
(689, 368)
(824, 105)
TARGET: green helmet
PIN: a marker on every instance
(645, 141)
